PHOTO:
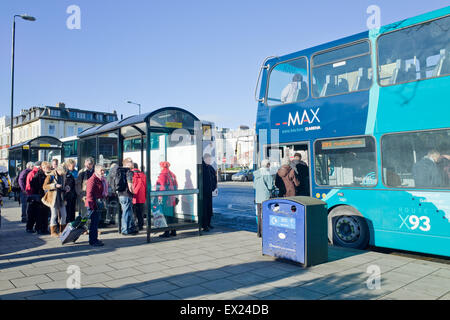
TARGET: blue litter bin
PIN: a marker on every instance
(295, 228)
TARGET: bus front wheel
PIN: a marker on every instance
(347, 228)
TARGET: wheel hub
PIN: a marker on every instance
(348, 229)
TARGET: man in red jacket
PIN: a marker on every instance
(140, 195)
(94, 195)
(33, 199)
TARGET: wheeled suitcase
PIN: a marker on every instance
(74, 230)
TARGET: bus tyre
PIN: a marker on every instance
(346, 228)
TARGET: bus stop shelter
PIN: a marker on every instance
(45, 148)
(169, 136)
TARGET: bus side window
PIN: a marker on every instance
(416, 159)
(346, 162)
(414, 53)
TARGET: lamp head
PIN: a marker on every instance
(27, 17)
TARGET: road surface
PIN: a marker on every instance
(234, 206)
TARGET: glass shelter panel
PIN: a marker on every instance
(108, 150)
(88, 148)
(173, 172)
(132, 148)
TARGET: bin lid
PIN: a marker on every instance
(302, 200)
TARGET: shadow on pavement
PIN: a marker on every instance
(226, 283)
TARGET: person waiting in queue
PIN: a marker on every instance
(71, 195)
(302, 171)
(167, 181)
(209, 185)
(264, 186)
(94, 202)
(286, 181)
(55, 187)
(83, 176)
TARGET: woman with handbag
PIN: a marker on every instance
(264, 186)
(54, 198)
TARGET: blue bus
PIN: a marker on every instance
(370, 115)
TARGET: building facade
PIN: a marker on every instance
(4, 140)
(59, 121)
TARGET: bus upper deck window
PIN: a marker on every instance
(342, 70)
(414, 53)
(288, 82)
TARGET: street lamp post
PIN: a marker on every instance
(138, 104)
(28, 18)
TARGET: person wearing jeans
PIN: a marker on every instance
(126, 201)
(94, 196)
(23, 192)
(140, 195)
(128, 226)
(264, 186)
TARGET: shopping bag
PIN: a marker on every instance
(159, 221)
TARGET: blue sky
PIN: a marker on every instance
(200, 55)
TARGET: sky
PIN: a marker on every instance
(203, 56)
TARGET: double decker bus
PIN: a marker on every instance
(370, 115)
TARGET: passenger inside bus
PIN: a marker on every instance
(426, 172)
(297, 90)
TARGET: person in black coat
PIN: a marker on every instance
(71, 195)
(42, 211)
(302, 172)
(426, 172)
(209, 185)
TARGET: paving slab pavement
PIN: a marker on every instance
(224, 264)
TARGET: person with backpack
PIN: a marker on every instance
(140, 195)
(123, 185)
(167, 181)
(22, 181)
(15, 188)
